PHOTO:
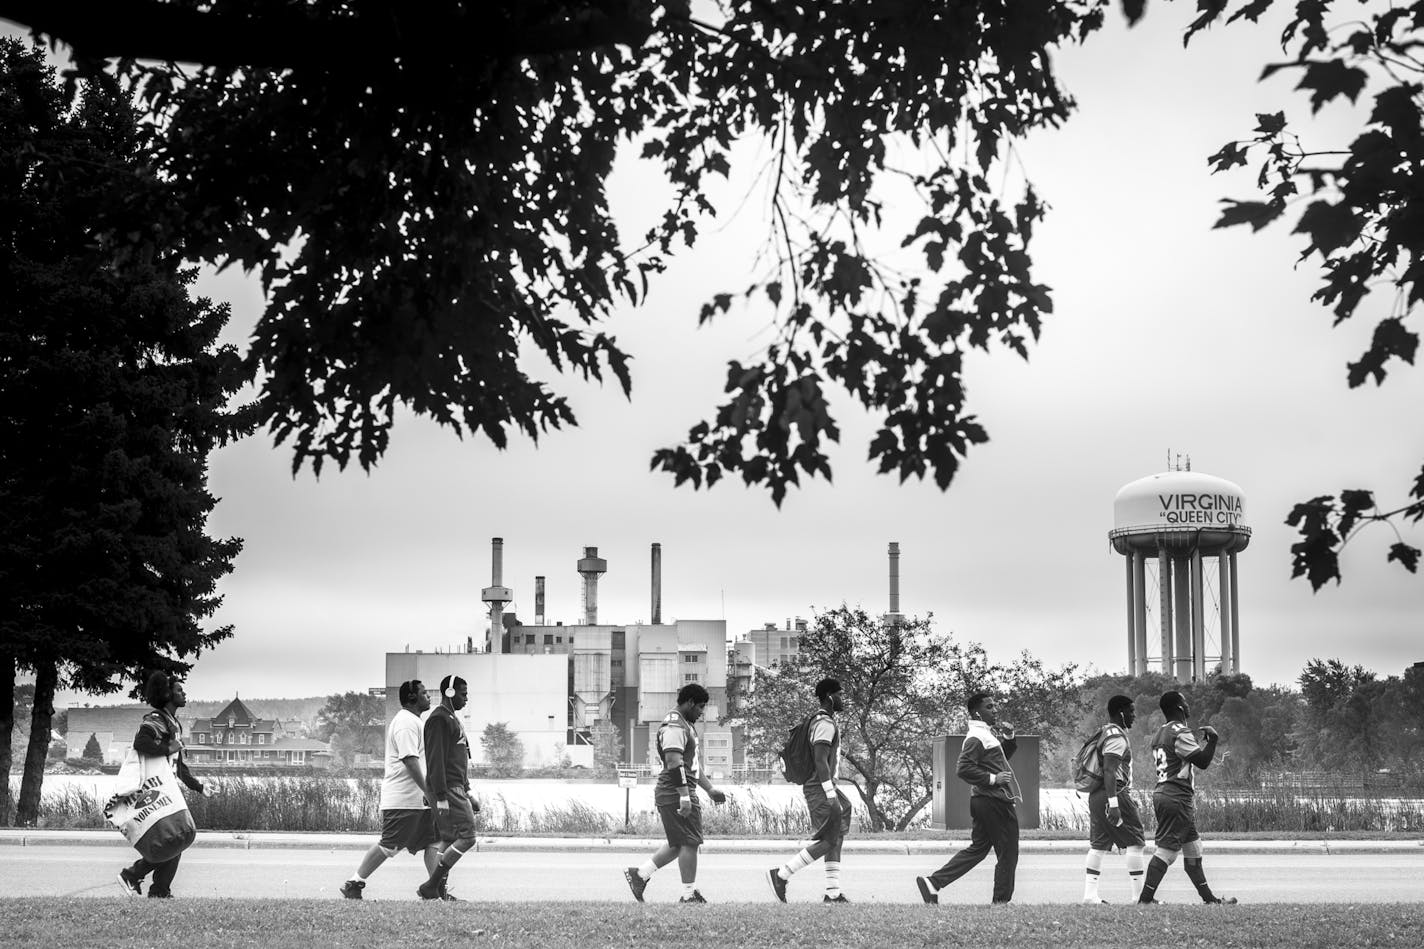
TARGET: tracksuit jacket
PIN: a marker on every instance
(982, 757)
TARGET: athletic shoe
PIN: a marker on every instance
(838, 898)
(351, 889)
(927, 892)
(132, 884)
(696, 897)
(429, 890)
(1227, 901)
(159, 894)
(636, 883)
(778, 885)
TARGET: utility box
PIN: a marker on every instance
(950, 795)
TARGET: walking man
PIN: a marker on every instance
(984, 766)
(676, 798)
(160, 738)
(406, 821)
(1175, 752)
(1112, 813)
(447, 778)
(829, 807)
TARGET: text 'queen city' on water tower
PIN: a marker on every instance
(1178, 521)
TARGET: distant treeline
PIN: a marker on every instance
(1343, 720)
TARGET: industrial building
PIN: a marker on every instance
(557, 686)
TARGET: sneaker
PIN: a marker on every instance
(351, 889)
(838, 898)
(778, 885)
(927, 892)
(447, 896)
(159, 894)
(131, 883)
(429, 890)
(636, 883)
(1224, 901)
(696, 897)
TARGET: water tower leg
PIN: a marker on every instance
(1235, 617)
(1181, 597)
(1198, 620)
(1164, 586)
(1139, 618)
(1131, 615)
(1223, 582)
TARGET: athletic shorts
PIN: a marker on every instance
(412, 829)
(1176, 821)
(682, 831)
(456, 822)
(1103, 835)
(823, 827)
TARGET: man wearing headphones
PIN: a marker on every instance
(406, 822)
(447, 779)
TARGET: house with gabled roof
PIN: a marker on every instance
(236, 737)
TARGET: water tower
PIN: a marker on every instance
(1179, 521)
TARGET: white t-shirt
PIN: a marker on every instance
(404, 738)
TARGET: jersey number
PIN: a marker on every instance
(1159, 757)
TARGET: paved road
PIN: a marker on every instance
(86, 871)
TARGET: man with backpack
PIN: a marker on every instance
(1112, 813)
(829, 807)
(676, 796)
(984, 766)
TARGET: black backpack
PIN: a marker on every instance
(798, 761)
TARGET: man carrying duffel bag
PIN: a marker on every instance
(149, 810)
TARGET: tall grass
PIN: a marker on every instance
(340, 805)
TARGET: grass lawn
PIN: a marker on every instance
(344, 925)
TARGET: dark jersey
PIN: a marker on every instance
(1173, 744)
(676, 734)
(447, 752)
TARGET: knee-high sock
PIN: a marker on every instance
(1155, 871)
(799, 862)
(1094, 871)
(1136, 862)
(833, 878)
(1193, 866)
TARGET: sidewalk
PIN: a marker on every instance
(23, 837)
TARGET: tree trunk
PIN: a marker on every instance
(46, 678)
(910, 814)
(7, 731)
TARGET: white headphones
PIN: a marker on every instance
(449, 689)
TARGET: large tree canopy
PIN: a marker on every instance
(422, 188)
(423, 192)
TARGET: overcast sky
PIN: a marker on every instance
(1167, 336)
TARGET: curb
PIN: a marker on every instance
(10, 837)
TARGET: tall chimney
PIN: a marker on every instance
(591, 567)
(657, 584)
(538, 601)
(894, 577)
(496, 595)
(894, 615)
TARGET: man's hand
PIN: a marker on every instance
(684, 805)
(1003, 777)
(1209, 733)
(1006, 730)
(1114, 813)
(718, 797)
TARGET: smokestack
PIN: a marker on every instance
(538, 601)
(894, 616)
(591, 567)
(657, 584)
(496, 595)
(894, 577)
